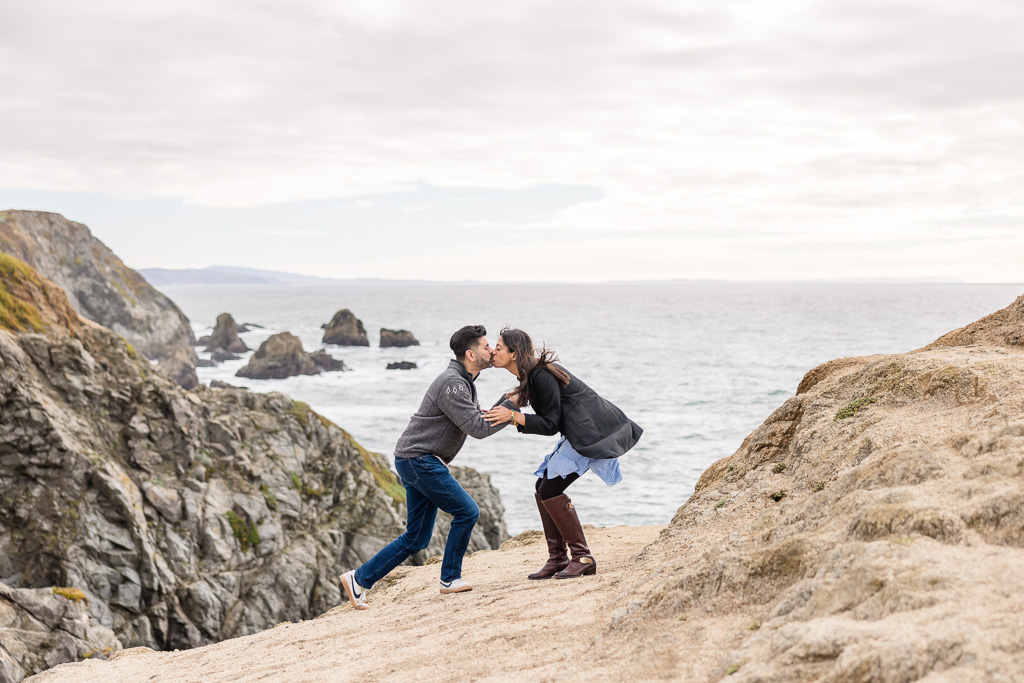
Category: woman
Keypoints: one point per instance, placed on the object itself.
(594, 433)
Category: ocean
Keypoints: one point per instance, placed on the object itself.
(697, 365)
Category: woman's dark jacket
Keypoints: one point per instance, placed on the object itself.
(593, 426)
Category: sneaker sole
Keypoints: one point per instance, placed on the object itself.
(461, 589)
(348, 592)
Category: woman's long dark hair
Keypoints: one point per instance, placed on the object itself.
(519, 343)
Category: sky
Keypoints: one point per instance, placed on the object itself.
(563, 140)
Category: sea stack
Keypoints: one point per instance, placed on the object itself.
(279, 357)
(396, 338)
(345, 329)
(327, 362)
(225, 336)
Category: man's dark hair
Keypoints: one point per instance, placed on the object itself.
(465, 339)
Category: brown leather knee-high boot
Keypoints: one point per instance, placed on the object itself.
(564, 516)
(558, 559)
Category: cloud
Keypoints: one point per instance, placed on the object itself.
(868, 118)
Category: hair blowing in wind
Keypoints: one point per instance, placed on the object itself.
(520, 343)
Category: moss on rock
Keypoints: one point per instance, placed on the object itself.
(16, 314)
(384, 477)
(245, 531)
(72, 594)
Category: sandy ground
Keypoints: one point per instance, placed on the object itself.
(507, 628)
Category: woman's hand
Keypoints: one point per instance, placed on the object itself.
(498, 415)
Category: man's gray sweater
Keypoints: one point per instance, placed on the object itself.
(448, 413)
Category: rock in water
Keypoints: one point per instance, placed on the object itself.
(98, 284)
(279, 357)
(345, 330)
(220, 355)
(397, 338)
(327, 362)
(225, 336)
(182, 518)
(402, 365)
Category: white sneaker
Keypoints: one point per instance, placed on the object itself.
(456, 586)
(356, 593)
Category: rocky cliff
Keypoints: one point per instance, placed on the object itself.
(179, 517)
(98, 285)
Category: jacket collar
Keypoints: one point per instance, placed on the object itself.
(461, 369)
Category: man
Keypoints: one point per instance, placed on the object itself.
(433, 438)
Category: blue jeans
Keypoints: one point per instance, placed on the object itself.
(428, 486)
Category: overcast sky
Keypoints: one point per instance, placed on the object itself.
(555, 140)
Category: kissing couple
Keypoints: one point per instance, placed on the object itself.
(594, 433)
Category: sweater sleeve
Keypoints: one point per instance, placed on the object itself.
(546, 399)
(456, 402)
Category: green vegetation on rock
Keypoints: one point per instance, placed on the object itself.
(17, 315)
(244, 531)
(853, 406)
(269, 496)
(307, 491)
(300, 411)
(384, 477)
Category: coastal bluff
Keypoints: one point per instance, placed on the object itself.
(99, 286)
(135, 513)
(871, 529)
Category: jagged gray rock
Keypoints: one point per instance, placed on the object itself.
(345, 330)
(43, 627)
(397, 338)
(183, 517)
(492, 512)
(401, 365)
(225, 336)
(180, 366)
(278, 357)
(98, 284)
